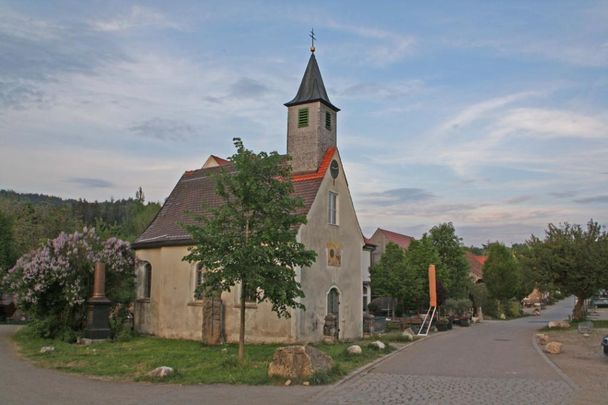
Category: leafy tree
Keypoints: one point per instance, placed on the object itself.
(389, 277)
(250, 239)
(574, 259)
(419, 255)
(452, 258)
(501, 273)
(523, 253)
(7, 243)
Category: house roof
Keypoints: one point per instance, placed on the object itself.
(397, 238)
(312, 87)
(195, 193)
(475, 264)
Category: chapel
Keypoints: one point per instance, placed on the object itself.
(167, 305)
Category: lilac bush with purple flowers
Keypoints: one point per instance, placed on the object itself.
(53, 282)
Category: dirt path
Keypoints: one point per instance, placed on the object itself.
(584, 362)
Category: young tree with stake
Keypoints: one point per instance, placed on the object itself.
(250, 238)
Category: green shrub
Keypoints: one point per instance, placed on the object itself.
(513, 309)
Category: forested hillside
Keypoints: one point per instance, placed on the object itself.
(27, 220)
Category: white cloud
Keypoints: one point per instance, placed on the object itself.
(479, 110)
(552, 123)
(137, 17)
(383, 47)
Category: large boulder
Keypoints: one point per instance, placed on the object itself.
(553, 348)
(558, 325)
(408, 335)
(298, 362)
(354, 349)
(161, 372)
(377, 345)
(543, 338)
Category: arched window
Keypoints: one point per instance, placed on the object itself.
(147, 281)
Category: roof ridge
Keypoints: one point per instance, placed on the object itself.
(395, 233)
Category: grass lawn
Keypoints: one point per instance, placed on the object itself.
(193, 362)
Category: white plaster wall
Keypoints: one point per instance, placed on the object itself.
(318, 279)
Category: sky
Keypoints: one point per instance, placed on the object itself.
(491, 115)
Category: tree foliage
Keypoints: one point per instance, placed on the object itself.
(501, 273)
(36, 218)
(53, 282)
(390, 277)
(573, 258)
(419, 255)
(452, 259)
(250, 239)
(7, 243)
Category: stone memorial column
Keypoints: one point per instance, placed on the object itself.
(98, 307)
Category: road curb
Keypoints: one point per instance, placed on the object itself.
(555, 367)
(368, 367)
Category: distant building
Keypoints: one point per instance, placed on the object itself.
(476, 263)
(382, 237)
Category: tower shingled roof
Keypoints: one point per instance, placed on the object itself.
(312, 87)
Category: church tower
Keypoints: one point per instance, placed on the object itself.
(311, 121)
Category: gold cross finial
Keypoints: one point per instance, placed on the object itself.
(312, 38)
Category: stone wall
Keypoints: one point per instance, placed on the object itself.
(308, 145)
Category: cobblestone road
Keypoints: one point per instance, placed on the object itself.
(492, 363)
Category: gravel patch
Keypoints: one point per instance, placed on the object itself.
(584, 362)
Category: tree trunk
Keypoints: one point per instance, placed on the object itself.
(242, 324)
(578, 313)
(243, 296)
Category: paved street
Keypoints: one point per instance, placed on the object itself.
(491, 363)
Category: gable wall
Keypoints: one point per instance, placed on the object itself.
(320, 277)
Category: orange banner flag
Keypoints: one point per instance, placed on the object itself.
(432, 286)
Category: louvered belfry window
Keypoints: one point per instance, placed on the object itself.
(302, 117)
(328, 120)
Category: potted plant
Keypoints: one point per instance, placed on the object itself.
(463, 310)
(442, 324)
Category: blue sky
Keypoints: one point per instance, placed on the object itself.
(492, 116)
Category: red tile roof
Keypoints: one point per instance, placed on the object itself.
(297, 177)
(195, 193)
(220, 161)
(481, 259)
(475, 264)
(398, 238)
